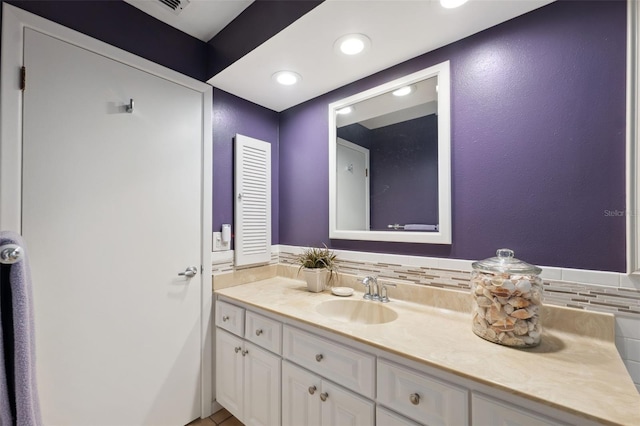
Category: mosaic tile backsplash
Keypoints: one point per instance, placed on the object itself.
(619, 301)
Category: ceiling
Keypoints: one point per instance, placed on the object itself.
(202, 19)
(399, 30)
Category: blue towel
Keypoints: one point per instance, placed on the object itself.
(19, 403)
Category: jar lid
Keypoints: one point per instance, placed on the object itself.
(504, 262)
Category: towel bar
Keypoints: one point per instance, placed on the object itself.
(10, 254)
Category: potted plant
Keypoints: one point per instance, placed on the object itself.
(318, 266)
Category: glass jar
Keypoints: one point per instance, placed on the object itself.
(507, 296)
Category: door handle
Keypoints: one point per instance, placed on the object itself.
(191, 271)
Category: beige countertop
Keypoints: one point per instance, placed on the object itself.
(576, 368)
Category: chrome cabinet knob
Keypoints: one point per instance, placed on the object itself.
(237, 349)
(414, 398)
(319, 357)
(312, 389)
(225, 318)
(324, 396)
(245, 352)
(191, 271)
(258, 332)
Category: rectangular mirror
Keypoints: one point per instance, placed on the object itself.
(390, 161)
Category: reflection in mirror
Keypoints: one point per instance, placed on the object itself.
(389, 161)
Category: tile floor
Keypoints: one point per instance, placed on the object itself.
(219, 418)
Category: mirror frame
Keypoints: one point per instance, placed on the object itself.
(443, 236)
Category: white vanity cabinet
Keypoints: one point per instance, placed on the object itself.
(308, 399)
(247, 376)
(273, 370)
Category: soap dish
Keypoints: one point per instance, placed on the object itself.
(342, 291)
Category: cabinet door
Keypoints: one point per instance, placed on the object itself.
(229, 372)
(261, 387)
(300, 396)
(343, 408)
(489, 411)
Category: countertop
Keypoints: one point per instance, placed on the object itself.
(576, 371)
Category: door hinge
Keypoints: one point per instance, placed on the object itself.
(23, 78)
(366, 172)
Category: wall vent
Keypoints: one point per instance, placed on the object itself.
(176, 6)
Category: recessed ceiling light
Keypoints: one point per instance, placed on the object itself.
(450, 4)
(345, 110)
(403, 91)
(352, 44)
(286, 78)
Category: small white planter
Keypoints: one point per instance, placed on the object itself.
(317, 279)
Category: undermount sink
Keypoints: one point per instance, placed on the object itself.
(357, 311)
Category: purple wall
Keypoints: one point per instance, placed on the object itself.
(538, 143)
(233, 115)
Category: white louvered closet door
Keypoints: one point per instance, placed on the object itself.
(252, 201)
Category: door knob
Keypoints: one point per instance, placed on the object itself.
(189, 272)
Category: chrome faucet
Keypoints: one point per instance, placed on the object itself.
(375, 290)
(371, 285)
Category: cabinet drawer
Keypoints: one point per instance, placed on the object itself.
(348, 367)
(420, 397)
(385, 417)
(230, 317)
(263, 332)
(489, 411)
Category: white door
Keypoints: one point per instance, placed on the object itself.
(261, 387)
(300, 396)
(229, 372)
(111, 215)
(344, 408)
(352, 186)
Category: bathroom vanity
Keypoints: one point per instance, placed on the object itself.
(287, 356)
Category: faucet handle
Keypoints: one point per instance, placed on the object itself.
(383, 292)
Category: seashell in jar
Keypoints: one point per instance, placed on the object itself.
(528, 340)
(487, 293)
(523, 286)
(479, 290)
(484, 302)
(513, 341)
(503, 300)
(521, 314)
(534, 335)
(491, 334)
(480, 311)
(494, 314)
(535, 297)
(509, 286)
(500, 292)
(519, 302)
(505, 325)
(521, 328)
(497, 281)
(508, 309)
